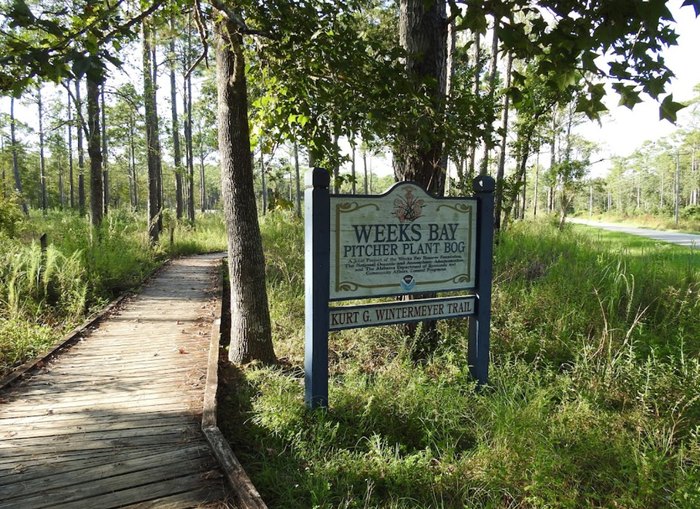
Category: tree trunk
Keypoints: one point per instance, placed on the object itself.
(500, 173)
(552, 162)
(189, 152)
(15, 159)
(537, 186)
(251, 336)
(298, 180)
(42, 159)
(133, 188)
(95, 152)
(364, 164)
(477, 93)
(105, 172)
(336, 168)
(177, 156)
(81, 156)
(70, 149)
(152, 144)
(352, 172)
(492, 91)
(202, 183)
(449, 78)
(423, 34)
(263, 180)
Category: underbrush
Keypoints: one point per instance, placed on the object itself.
(45, 293)
(593, 398)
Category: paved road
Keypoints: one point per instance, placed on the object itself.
(682, 239)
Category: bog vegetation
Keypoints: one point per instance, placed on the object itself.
(593, 399)
(43, 294)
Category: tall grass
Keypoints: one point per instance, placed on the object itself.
(593, 400)
(43, 294)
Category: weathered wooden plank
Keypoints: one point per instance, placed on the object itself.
(78, 438)
(78, 399)
(119, 490)
(202, 499)
(100, 415)
(155, 402)
(32, 468)
(51, 429)
(185, 459)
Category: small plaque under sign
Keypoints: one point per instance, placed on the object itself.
(370, 315)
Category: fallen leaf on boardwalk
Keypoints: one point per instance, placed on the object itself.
(40, 364)
(49, 412)
(182, 350)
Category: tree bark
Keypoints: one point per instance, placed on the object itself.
(189, 151)
(95, 152)
(477, 86)
(152, 145)
(15, 159)
(177, 156)
(70, 149)
(251, 336)
(105, 172)
(42, 159)
(81, 156)
(484, 169)
(423, 34)
(500, 173)
(134, 194)
(297, 200)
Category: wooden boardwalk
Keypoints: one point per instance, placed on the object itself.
(114, 421)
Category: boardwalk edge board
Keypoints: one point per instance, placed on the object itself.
(245, 493)
(74, 335)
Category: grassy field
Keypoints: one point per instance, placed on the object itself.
(594, 397)
(44, 295)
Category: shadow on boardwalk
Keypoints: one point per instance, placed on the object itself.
(115, 420)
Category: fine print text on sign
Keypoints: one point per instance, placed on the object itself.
(371, 315)
(402, 242)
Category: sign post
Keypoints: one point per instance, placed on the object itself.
(480, 324)
(316, 273)
(400, 243)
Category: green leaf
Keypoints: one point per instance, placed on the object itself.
(20, 14)
(669, 109)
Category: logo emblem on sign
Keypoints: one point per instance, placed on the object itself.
(408, 282)
(408, 208)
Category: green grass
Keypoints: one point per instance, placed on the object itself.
(42, 296)
(593, 399)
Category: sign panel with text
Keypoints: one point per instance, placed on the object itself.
(402, 242)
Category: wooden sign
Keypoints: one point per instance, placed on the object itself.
(404, 242)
